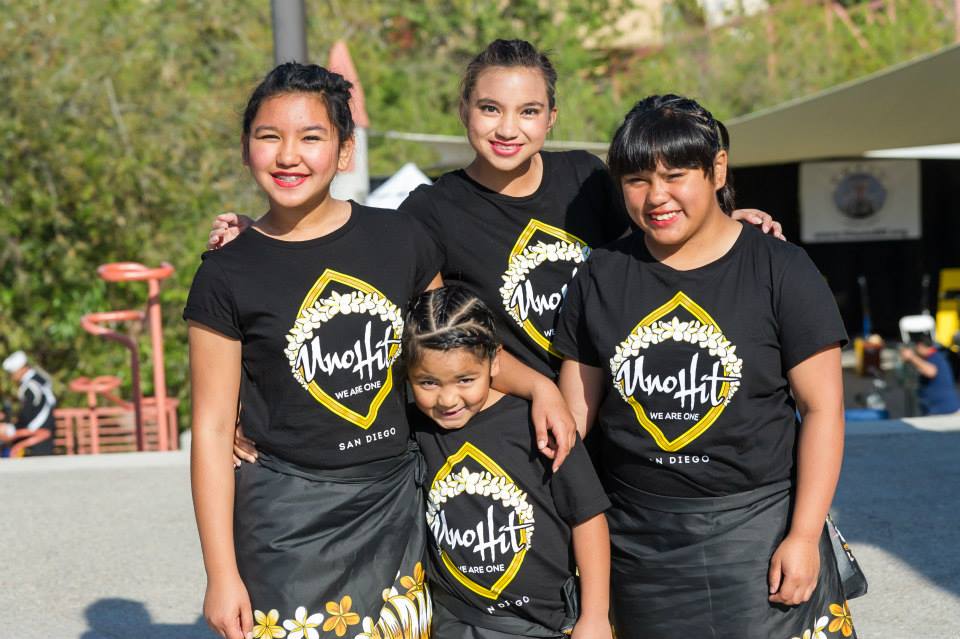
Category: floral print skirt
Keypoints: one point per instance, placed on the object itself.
(333, 553)
(697, 567)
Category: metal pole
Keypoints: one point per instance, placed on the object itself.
(289, 31)
(159, 377)
(956, 19)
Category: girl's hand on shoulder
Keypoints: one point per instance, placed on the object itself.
(244, 450)
(226, 607)
(225, 228)
(549, 412)
(759, 218)
(794, 568)
(592, 628)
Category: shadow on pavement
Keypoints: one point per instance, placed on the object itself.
(898, 492)
(115, 618)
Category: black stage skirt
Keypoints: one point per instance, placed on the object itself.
(339, 551)
(697, 567)
(454, 619)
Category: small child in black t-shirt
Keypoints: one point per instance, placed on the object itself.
(508, 535)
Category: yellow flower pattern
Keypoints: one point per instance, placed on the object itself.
(340, 616)
(406, 614)
(842, 624)
(842, 620)
(267, 625)
(414, 583)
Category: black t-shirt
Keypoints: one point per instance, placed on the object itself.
(517, 254)
(698, 402)
(500, 519)
(37, 402)
(320, 322)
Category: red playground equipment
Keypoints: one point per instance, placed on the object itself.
(144, 423)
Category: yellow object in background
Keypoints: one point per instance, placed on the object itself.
(858, 354)
(948, 308)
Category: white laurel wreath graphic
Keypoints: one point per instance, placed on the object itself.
(704, 336)
(325, 309)
(530, 258)
(486, 485)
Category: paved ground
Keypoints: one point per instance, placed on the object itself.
(104, 547)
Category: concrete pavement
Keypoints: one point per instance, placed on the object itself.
(103, 547)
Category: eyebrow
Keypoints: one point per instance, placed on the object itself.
(268, 127)
(494, 102)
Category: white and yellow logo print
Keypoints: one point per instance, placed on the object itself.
(486, 554)
(352, 382)
(677, 371)
(540, 265)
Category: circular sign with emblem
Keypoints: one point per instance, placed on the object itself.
(859, 195)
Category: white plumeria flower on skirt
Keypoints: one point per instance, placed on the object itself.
(302, 626)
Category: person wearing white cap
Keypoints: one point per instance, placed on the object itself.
(32, 433)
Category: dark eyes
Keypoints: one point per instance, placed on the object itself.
(274, 136)
(644, 179)
(489, 108)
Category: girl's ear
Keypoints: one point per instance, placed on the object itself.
(720, 170)
(346, 154)
(464, 111)
(495, 362)
(245, 149)
(552, 120)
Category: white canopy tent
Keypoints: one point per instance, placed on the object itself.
(913, 104)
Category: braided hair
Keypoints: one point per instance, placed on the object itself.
(674, 131)
(445, 319)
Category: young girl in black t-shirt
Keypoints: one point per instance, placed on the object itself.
(298, 322)
(692, 345)
(508, 534)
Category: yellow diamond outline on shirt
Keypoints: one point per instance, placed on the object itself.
(532, 227)
(363, 421)
(680, 300)
(493, 592)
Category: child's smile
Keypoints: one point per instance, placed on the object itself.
(452, 386)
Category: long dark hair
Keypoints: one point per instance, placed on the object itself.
(674, 131)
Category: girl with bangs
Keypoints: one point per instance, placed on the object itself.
(693, 344)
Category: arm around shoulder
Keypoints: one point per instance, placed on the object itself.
(548, 410)
(582, 388)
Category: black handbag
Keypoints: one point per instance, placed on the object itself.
(851, 576)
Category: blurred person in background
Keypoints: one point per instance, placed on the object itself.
(32, 431)
(937, 389)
